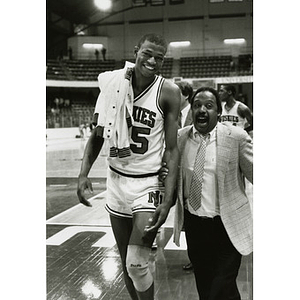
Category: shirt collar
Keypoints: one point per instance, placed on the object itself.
(210, 135)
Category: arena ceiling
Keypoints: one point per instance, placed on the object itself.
(75, 11)
(82, 11)
(66, 17)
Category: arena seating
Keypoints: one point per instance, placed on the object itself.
(245, 64)
(55, 70)
(190, 67)
(167, 68)
(88, 69)
(207, 66)
(78, 113)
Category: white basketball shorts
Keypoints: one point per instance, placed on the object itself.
(127, 195)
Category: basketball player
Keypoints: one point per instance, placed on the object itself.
(238, 114)
(137, 202)
(233, 111)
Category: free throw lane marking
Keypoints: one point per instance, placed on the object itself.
(107, 240)
(65, 234)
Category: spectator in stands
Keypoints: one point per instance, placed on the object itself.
(97, 54)
(250, 64)
(91, 126)
(70, 51)
(137, 202)
(103, 51)
(67, 103)
(232, 66)
(81, 128)
(61, 55)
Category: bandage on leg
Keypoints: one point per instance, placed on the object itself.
(137, 266)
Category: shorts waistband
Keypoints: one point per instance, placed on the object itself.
(134, 175)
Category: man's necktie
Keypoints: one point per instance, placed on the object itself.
(197, 177)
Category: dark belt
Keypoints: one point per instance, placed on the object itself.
(216, 218)
(204, 218)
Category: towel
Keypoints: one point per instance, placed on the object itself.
(114, 107)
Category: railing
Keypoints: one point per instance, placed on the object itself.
(69, 117)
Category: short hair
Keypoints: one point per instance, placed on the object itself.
(230, 88)
(154, 38)
(214, 92)
(186, 89)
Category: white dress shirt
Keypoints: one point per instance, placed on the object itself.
(184, 113)
(209, 201)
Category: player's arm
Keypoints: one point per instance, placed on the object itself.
(170, 103)
(245, 112)
(91, 152)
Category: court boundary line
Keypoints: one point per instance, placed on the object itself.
(80, 224)
(100, 195)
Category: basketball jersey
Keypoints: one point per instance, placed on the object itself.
(147, 134)
(232, 117)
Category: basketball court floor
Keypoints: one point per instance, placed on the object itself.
(82, 257)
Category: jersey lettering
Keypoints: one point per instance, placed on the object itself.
(228, 118)
(137, 138)
(144, 116)
(155, 197)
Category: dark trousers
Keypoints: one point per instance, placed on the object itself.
(215, 260)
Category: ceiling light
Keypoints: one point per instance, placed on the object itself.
(103, 4)
(180, 44)
(92, 46)
(234, 41)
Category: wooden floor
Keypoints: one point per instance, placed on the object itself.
(82, 258)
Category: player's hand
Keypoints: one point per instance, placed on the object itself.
(84, 184)
(158, 218)
(163, 172)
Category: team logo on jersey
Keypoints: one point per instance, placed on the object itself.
(144, 116)
(155, 198)
(228, 118)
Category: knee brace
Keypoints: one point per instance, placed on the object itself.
(137, 266)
